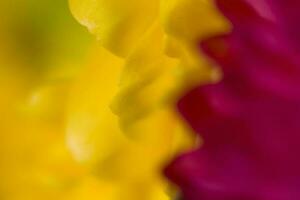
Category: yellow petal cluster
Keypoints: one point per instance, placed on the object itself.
(147, 56)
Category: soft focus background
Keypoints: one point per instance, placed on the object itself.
(41, 48)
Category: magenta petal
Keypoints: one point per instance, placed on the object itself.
(250, 120)
(288, 15)
(207, 175)
(251, 144)
(243, 13)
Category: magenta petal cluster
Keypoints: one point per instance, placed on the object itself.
(250, 120)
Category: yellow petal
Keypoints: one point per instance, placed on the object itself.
(191, 19)
(187, 22)
(118, 24)
(147, 80)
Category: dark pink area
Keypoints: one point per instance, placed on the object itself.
(250, 120)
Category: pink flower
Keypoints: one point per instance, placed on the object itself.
(250, 120)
